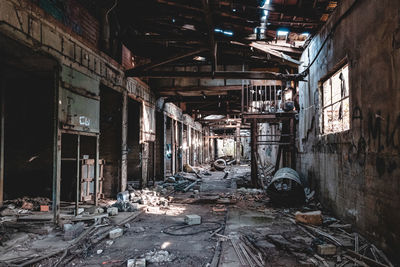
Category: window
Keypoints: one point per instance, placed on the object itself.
(335, 102)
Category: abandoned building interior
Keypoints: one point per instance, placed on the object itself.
(200, 133)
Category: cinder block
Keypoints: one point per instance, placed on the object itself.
(112, 211)
(326, 249)
(115, 233)
(192, 219)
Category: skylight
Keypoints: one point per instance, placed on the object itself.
(226, 32)
(282, 32)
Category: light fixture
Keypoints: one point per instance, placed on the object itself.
(199, 58)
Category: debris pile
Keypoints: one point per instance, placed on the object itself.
(24, 205)
(312, 238)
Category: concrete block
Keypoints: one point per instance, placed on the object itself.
(326, 250)
(117, 232)
(112, 211)
(73, 230)
(312, 217)
(67, 227)
(136, 263)
(192, 219)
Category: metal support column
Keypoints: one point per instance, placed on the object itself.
(173, 146)
(78, 167)
(181, 148)
(56, 150)
(293, 142)
(165, 144)
(254, 174)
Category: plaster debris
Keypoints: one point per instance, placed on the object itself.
(159, 256)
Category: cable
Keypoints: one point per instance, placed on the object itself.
(173, 232)
(115, 4)
(348, 11)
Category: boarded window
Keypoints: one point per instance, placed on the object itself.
(335, 102)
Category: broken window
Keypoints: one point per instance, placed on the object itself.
(335, 102)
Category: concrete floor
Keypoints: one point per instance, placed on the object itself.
(244, 214)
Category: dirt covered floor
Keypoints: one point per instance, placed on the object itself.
(239, 227)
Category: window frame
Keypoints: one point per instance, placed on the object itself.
(339, 67)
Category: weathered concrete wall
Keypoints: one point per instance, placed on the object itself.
(357, 172)
(31, 26)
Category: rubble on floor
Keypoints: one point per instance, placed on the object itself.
(24, 205)
(158, 256)
(265, 235)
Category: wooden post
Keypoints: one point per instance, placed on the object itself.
(97, 169)
(254, 171)
(78, 156)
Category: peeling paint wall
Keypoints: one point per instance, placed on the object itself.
(357, 172)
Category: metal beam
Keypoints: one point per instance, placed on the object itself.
(245, 75)
(211, 38)
(165, 61)
(199, 88)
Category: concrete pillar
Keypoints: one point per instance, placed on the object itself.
(124, 143)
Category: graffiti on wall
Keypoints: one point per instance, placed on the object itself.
(382, 135)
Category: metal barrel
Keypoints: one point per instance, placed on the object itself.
(287, 187)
